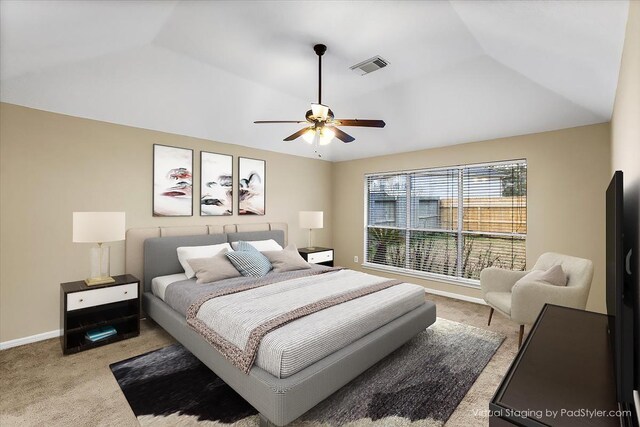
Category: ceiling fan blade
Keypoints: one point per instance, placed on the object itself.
(280, 121)
(296, 135)
(342, 136)
(361, 123)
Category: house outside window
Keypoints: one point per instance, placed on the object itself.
(447, 222)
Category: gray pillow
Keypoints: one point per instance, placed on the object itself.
(553, 276)
(217, 267)
(287, 259)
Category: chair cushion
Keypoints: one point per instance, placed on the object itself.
(579, 271)
(553, 276)
(499, 300)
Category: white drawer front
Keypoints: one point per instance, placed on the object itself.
(93, 297)
(318, 257)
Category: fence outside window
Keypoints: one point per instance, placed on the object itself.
(451, 222)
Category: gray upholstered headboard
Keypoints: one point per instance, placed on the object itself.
(134, 243)
(161, 259)
(277, 235)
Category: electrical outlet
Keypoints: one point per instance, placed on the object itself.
(355, 259)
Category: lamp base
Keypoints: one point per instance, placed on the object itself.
(92, 281)
(100, 274)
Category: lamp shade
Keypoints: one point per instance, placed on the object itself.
(320, 111)
(309, 136)
(98, 227)
(326, 135)
(321, 136)
(311, 219)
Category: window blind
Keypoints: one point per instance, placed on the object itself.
(434, 221)
(387, 219)
(494, 217)
(448, 221)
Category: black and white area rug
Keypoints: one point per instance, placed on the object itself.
(420, 384)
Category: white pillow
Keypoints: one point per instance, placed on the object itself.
(189, 252)
(262, 245)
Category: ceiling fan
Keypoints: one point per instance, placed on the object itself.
(323, 127)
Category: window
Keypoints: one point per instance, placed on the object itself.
(452, 222)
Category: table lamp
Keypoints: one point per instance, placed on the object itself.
(98, 227)
(310, 220)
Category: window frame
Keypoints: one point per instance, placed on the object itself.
(460, 233)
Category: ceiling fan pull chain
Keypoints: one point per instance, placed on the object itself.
(316, 146)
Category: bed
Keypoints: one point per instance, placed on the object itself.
(280, 396)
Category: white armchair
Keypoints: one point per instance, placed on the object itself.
(522, 302)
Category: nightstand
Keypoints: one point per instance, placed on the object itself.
(84, 308)
(317, 255)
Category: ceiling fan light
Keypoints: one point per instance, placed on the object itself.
(320, 111)
(326, 136)
(309, 136)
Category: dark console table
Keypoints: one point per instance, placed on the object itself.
(564, 369)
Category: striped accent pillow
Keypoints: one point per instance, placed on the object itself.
(249, 261)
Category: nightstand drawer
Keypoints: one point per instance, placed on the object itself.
(93, 297)
(318, 257)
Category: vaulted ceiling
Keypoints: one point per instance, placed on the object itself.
(459, 71)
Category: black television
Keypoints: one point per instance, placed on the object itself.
(619, 294)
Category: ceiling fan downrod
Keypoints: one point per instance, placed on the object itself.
(320, 49)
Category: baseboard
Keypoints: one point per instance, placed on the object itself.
(53, 334)
(455, 296)
(30, 339)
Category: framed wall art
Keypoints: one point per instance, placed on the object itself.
(251, 186)
(216, 184)
(172, 181)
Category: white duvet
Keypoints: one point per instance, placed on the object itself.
(296, 345)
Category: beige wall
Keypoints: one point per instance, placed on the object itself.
(625, 123)
(625, 144)
(52, 165)
(568, 171)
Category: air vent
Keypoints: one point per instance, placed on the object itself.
(370, 65)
